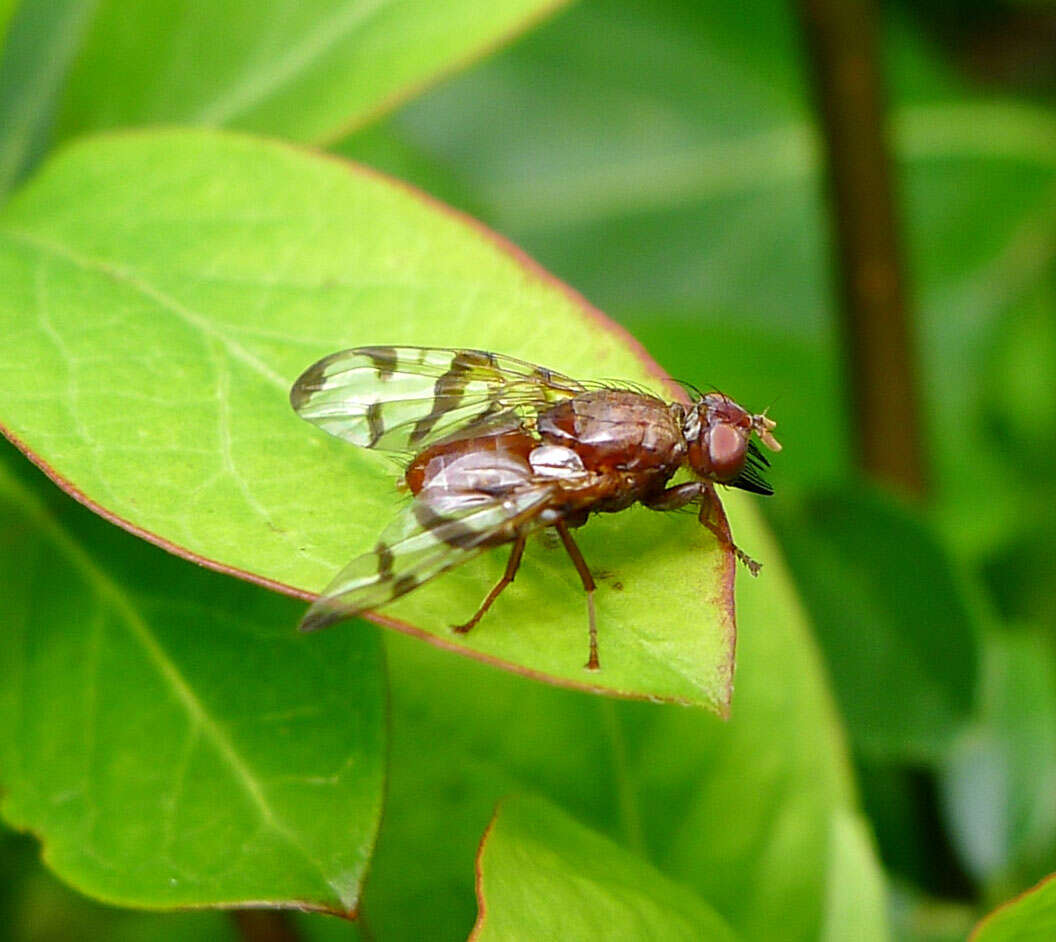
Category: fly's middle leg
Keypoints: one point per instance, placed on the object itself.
(507, 577)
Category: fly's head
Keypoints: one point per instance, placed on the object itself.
(721, 449)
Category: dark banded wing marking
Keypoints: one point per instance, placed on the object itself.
(429, 537)
(406, 398)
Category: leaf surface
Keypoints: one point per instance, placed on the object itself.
(7, 9)
(303, 70)
(1000, 777)
(543, 875)
(856, 900)
(1028, 918)
(743, 812)
(891, 615)
(161, 293)
(36, 49)
(162, 731)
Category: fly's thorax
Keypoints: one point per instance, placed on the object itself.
(616, 429)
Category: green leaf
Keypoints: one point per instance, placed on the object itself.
(163, 732)
(162, 291)
(918, 917)
(35, 907)
(891, 615)
(308, 70)
(1000, 780)
(856, 903)
(673, 175)
(1028, 918)
(35, 54)
(463, 736)
(743, 811)
(542, 875)
(7, 9)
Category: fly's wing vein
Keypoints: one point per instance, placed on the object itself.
(429, 537)
(405, 398)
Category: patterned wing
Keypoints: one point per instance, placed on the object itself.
(428, 538)
(405, 398)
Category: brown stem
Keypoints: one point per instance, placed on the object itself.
(841, 39)
(265, 925)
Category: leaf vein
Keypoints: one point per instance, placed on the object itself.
(254, 88)
(125, 276)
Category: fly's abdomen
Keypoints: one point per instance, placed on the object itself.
(490, 465)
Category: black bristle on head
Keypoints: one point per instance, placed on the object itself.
(756, 456)
(751, 477)
(691, 388)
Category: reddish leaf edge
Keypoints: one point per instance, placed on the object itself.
(478, 873)
(533, 270)
(1019, 897)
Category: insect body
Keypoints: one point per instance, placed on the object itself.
(497, 448)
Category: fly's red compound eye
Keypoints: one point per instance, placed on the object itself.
(719, 452)
(727, 447)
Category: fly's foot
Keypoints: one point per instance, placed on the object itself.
(750, 564)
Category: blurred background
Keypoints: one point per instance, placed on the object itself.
(667, 160)
(678, 164)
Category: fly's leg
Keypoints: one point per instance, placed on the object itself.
(711, 504)
(507, 577)
(674, 498)
(588, 584)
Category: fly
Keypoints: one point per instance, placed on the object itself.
(495, 448)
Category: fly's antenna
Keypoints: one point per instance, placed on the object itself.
(773, 402)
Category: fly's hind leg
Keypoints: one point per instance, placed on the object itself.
(588, 584)
(507, 577)
(707, 508)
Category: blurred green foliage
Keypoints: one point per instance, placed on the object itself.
(662, 157)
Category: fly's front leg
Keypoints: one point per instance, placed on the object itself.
(711, 505)
(674, 498)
